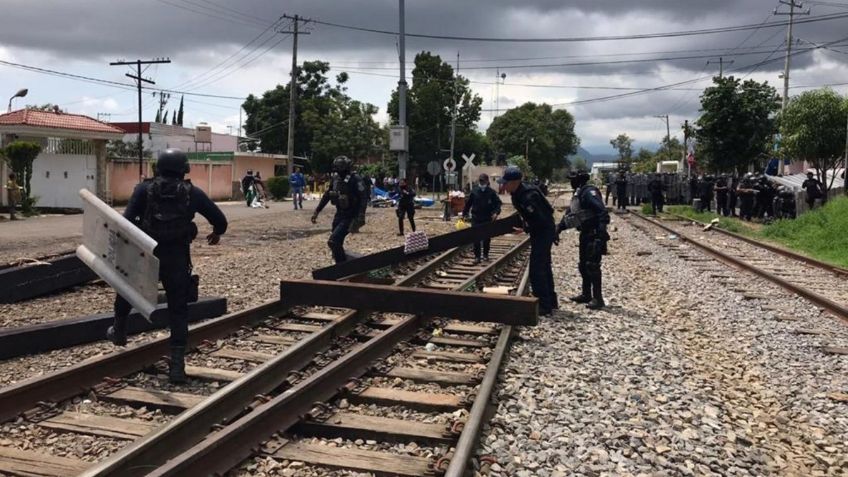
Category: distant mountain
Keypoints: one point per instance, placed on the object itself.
(593, 158)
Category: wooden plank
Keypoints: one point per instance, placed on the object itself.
(379, 463)
(61, 334)
(411, 399)
(252, 356)
(448, 341)
(448, 356)
(106, 426)
(511, 310)
(433, 376)
(297, 327)
(439, 243)
(312, 315)
(838, 350)
(386, 429)
(274, 339)
(213, 374)
(31, 464)
(155, 398)
(55, 274)
(470, 329)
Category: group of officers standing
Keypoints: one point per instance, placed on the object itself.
(164, 207)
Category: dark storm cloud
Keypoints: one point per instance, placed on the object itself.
(100, 29)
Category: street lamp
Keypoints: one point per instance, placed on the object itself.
(19, 94)
(527, 148)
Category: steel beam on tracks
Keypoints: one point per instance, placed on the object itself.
(60, 334)
(509, 310)
(52, 275)
(437, 244)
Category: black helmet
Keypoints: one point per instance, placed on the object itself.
(578, 177)
(342, 165)
(172, 162)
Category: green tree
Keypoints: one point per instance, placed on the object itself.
(545, 135)
(329, 122)
(623, 144)
(521, 163)
(812, 128)
(579, 163)
(736, 124)
(179, 118)
(120, 149)
(646, 161)
(429, 105)
(46, 107)
(21, 155)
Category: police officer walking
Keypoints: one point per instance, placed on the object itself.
(164, 208)
(405, 205)
(538, 218)
(621, 190)
(485, 206)
(655, 187)
(345, 193)
(588, 214)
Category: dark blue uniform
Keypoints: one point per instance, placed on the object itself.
(174, 258)
(538, 217)
(346, 194)
(593, 240)
(483, 204)
(405, 207)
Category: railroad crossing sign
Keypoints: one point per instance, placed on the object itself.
(469, 162)
(450, 164)
(434, 168)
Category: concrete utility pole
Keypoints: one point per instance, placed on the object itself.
(667, 127)
(792, 6)
(403, 156)
(720, 65)
(686, 148)
(455, 100)
(138, 80)
(293, 89)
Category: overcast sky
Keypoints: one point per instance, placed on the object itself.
(209, 42)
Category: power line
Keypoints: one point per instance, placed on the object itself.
(704, 31)
(225, 60)
(244, 63)
(110, 83)
(251, 24)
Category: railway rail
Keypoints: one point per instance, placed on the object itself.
(822, 285)
(274, 363)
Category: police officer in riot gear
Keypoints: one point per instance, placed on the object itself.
(588, 214)
(538, 219)
(346, 193)
(164, 208)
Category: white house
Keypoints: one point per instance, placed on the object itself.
(73, 154)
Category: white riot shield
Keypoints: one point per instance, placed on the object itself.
(119, 253)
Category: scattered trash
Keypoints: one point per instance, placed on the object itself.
(672, 237)
(712, 224)
(430, 347)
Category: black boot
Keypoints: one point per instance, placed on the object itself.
(176, 371)
(580, 299)
(597, 295)
(117, 333)
(586, 295)
(116, 336)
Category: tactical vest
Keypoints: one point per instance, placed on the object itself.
(167, 216)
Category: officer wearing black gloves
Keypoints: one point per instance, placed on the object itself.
(485, 206)
(164, 208)
(346, 193)
(588, 214)
(405, 205)
(538, 217)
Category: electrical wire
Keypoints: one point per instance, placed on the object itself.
(642, 36)
(212, 15)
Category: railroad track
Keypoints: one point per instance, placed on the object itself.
(821, 284)
(256, 378)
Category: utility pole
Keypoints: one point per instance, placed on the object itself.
(403, 156)
(498, 78)
(720, 65)
(792, 6)
(686, 148)
(292, 88)
(139, 80)
(455, 100)
(667, 127)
